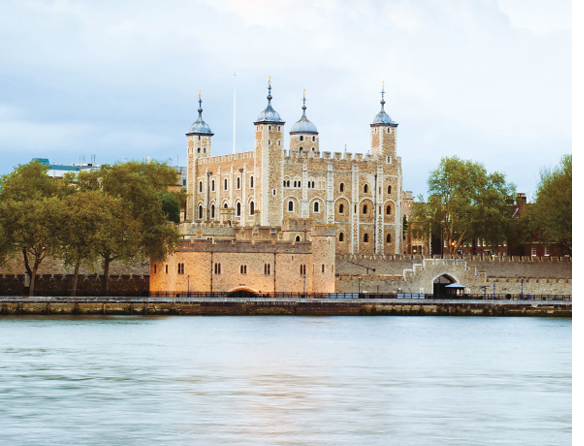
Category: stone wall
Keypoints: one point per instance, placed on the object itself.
(60, 284)
(55, 266)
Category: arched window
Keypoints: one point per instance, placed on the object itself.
(342, 187)
(212, 211)
(313, 149)
(341, 208)
(366, 238)
(364, 209)
(251, 208)
(251, 182)
(313, 138)
(200, 212)
(301, 138)
(238, 209)
(198, 150)
(366, 188)
(389, 189)
(300, 149)
(388, 238)
(342, 237)
(388, 210)
(316, 207)
(290, 206)
(297, 238)
(225, 206)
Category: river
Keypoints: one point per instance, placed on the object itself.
(133, 380)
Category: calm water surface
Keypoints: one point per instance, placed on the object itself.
(285, 381)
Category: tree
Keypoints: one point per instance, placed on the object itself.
(464, 203)
(29, 215)
(170, 206)
(550, 217)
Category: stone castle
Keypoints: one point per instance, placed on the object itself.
(361, 195)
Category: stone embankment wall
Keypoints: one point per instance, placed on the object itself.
(55, 266)
(59, 284)
(288, 308)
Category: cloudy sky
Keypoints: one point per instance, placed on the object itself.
(487, 80)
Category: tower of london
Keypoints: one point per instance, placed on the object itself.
(360, 195)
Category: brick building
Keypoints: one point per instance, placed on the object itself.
(361, 195)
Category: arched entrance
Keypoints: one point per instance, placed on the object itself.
(242, 292)
(439, 286)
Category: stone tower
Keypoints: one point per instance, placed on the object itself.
(269, 163)
(303, 134)
(199, 145)
(383, 133)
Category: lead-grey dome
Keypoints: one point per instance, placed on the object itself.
(200, 126)
(382, 118)
(303, 125)
(269, 114)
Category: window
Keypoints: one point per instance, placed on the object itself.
(225, 184)
(388, 160)
(388, 238)
(366, 238)
(269, 142)
(366, 188)
(300, 149)
(278, 128)
(243, 269)
(323, 268)
(212, 185)
(546, 251)
(270, 128)
(278, 142)
(316, 206)
(389, 189)
(297, 238)
(534, 251)
(342, 237)
(181, 268)
(313, 149)
(200, 212)
(313, 138)
(290, 206)
(301, 138)
(166, 268)
(204, 150)
(342, 187)
(267, 269)
(364, 209)
(251, 208)
(238, 209)
(198, 150)
(388, 210)
(200, 186)
(154, 269)
(212, 211)
(341, 208)
(217, 268)
(251, 182)
(274, 192)
(302, 270)
(238, 183)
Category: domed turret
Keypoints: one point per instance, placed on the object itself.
(382, 118)
(200, 126)
(303, 125)
(269, 114)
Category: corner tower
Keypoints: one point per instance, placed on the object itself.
(269, 163)
(303, 134)
(383, 133)
(199, 145)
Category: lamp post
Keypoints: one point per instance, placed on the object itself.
(359, 285)
(494, 290)
(188, 285)
(522, 288)
(304, 292)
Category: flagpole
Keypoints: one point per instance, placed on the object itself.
(234, 99)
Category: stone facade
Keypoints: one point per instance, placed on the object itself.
(297, 258)
(361, 195)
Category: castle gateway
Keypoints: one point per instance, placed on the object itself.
(361, 195)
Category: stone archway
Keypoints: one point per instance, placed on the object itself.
(439, 285)
(242, 292)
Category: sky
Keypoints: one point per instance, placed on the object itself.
(485, 80)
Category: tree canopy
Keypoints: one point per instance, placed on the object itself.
(550, 217)
(464, 202)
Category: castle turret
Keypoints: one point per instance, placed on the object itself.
(383, 133)
(199, 145)
(303, 134)
(269, 163)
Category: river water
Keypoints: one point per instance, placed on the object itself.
(285, 381)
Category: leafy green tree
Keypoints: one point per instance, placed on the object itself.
(29, 215)
(170, 206)
(464, 203)
(550, 217)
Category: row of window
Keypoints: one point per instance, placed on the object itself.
(301, 138)
(316, 208)
(365, 238)
(226, 184)
(237, 210)
(268, 269)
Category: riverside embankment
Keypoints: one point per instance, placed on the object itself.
(267, 306)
